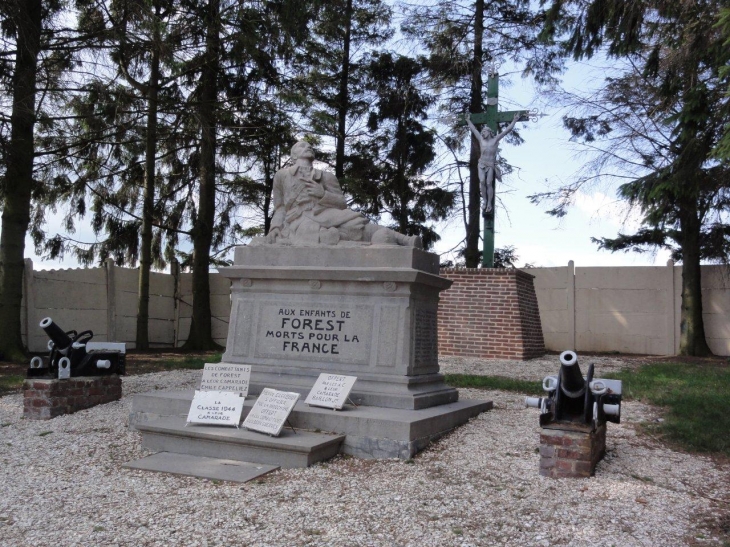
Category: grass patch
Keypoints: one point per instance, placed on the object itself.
(11, 382)
(696, 398)
(494, 382)
(189, 362)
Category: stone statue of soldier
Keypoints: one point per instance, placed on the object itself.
(488, 168)
(310, 209)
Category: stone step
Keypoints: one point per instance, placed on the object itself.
(289, 449)
(371, 432)
(201, 467)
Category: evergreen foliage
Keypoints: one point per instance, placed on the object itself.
(464, 39)
(388, 168)
(657, 122)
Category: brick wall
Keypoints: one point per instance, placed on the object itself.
(490, 313)
(46, 399)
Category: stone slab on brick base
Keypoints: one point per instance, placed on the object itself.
(568, 451)
(490, 313)
(46, 399)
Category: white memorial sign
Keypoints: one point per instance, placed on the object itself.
(226, 377)
(270, 411)
(216, 407)
(331, 390)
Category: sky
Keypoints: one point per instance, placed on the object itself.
(546, 159)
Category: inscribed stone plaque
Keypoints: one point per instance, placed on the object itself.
(426, 343)
(331, 390)
(333, 333)
(226, 377)
(216, 407)
(270, 411)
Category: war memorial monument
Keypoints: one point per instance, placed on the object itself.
(324, 292)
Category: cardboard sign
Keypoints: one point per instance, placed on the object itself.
(270, 411)
(216, 407)
(331, 391)
(226, 377)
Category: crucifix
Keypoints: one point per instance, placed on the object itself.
(489, 139)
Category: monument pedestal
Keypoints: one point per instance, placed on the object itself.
(366, 311)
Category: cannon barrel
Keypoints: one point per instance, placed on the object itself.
(55, 333)
(572, 383)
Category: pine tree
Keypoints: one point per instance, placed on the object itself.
(331, 63)
(25, 19)
(659, 122)
(399, 149)
(463, 40)
(37, 49)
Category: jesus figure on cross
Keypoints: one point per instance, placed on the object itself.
(488, 168)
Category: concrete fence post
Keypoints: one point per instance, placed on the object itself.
(29, 291)
(670, 308)
(571, 305)
(111, 300)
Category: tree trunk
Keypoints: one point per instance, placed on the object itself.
(269, 184)
(471, 251)
(343, 98)
(148, 203)
(691, 326)
(200, 336)
(19, 177)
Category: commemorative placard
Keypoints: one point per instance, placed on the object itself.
(331, 391)
(226, 377)
(270, 411)
(216, 407)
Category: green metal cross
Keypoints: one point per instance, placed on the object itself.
(492, 117)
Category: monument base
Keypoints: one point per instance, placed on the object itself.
(370, 432)
(365, 311)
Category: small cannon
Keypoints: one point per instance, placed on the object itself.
(73, 354)
(574, 399)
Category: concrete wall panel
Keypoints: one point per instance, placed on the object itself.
(620, 300)
(127, 303)
(556, 341)
(127, 279)
(550, 278)
(630, 309)
(633, 277)
(54, 294)
(592, 341)
(162, 284)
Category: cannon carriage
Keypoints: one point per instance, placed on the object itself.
(571, 398)
(72, 354)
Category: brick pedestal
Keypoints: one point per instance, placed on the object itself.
(490, 313)
(46, 399)
(571, 451)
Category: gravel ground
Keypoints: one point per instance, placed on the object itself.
(61, 484)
